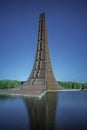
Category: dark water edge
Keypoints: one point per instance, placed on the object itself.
(54, 111)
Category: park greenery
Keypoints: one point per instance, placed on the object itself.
(6, 84)
(73, 85)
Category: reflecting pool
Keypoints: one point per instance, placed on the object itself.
(65, 110)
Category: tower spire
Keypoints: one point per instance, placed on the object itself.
(42, 76)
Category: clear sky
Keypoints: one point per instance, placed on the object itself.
(67, 36)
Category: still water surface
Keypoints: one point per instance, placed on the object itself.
(54, 111)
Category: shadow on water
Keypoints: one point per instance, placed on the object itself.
(42, 112)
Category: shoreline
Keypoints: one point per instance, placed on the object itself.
(23, 95)
(40, 95)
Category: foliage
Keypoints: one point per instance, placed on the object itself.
(6, 84)
(73, 85)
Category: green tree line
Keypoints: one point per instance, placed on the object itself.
(6, 84)
(73, 85)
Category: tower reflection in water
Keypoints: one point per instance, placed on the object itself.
(42, 112)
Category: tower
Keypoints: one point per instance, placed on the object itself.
(42, 77)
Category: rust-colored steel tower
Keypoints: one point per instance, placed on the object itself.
(42, 77)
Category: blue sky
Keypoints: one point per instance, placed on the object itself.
(67, 36)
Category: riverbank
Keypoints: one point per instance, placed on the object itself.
(7, 84)
(34, 94)
(6, 88)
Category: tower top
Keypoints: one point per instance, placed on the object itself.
(42, 14)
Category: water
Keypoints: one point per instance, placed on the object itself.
(54, 111)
